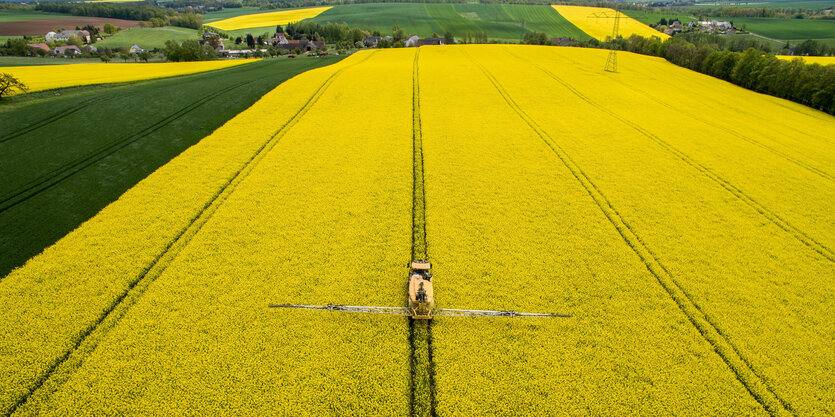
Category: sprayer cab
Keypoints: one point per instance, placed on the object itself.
(421, 296)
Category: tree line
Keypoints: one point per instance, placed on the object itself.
(143, 13)
(773, 12)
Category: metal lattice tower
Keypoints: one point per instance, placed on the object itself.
(612, 59)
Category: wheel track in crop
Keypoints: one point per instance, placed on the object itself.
(734, 132)
(56, 176)
(55, 117)
(774, 218)
(420, 331)
(742, 369)
(64, 366)
(693, 116)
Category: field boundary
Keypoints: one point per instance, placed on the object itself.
(743, 371)
(420, 331)
(804, 238)
(63, 368)
(71, 168)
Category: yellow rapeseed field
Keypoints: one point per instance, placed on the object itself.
(823, 60)
(267, 19)
(287, 361)
(601, 28)
(729, 211)
(690, 235)
(46, 77)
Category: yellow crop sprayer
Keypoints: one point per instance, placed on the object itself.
(421, 301)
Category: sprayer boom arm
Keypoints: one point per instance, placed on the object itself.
(454, 312)
(402, 311)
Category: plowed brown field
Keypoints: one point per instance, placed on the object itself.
(42, 26)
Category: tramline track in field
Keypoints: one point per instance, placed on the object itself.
(63, 367)
(694, 116)
(55, 117)
(774, 218)
(730, 354)
(734, 132)
(420, 331)
(59, 174)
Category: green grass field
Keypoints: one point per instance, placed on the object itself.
(501, 22)
(15, 15)
(799, 4)
(787, 28)
(227, 13)
(63, 158)
(268, 30)
(776, 46)
(651, 18)
(148, 38)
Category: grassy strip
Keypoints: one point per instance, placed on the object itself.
(419, 330)
(726, 350)
(91, 148)
(422, 381)
(63, 368)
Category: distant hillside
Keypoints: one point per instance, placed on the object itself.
(505, 22)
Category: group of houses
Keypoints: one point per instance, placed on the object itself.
(69, 50)
(672, 27)
(722, 27)
(280, 41)
(409, 41)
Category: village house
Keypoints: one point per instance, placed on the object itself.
(278, 39)
(371, 41)
(411, 40)
(135, 49)
(213, 39)
(35, 46)
(431, 41)
(65, 50)
(303, 45)
(563, 42)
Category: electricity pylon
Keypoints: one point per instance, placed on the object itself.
(612, 59)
